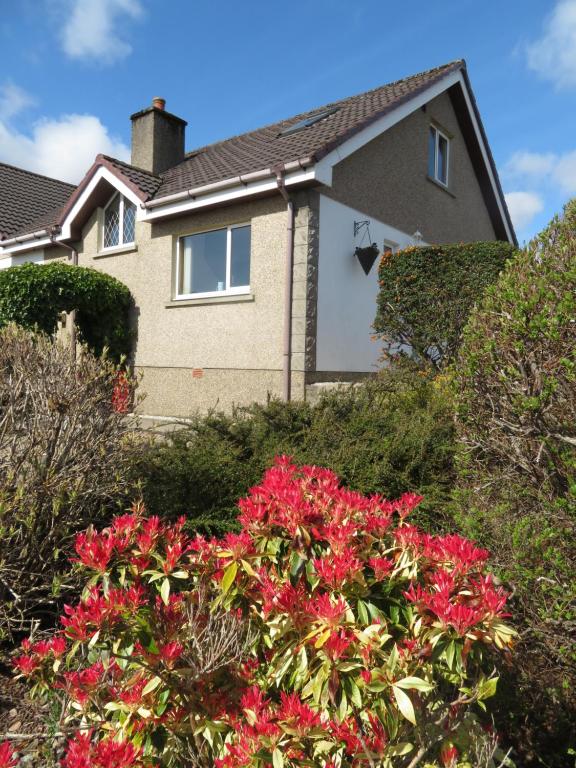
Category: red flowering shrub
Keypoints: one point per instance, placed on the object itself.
(328, 632)
(122, 393)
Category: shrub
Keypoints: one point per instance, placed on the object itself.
(393, 432)
(62, 463)
(33, 296)
(426, 294)
(517, 407)
(329, 631)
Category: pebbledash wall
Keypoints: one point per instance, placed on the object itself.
(210, 353)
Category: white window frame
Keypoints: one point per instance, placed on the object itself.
(228, 290)
(437, 135)
(121, 243)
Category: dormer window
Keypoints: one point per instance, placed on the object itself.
(119, 222)
(438, 152)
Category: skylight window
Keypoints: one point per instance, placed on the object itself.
(308, 121)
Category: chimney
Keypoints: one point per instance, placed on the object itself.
(157, 138)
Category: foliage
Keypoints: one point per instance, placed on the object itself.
(33, 296)
(516, 383)
(393, 432)
(426, 294)
(62, 462)
(328, 632)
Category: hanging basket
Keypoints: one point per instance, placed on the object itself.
(367, 256)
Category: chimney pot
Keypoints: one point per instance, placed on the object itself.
(158, 102)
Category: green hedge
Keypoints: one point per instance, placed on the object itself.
(426, 294)
(516, 379)
(394, 433)
(33, 296)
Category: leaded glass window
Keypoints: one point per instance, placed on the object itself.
(119, 222)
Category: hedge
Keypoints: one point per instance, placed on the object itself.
(33, 296)
(426, 294)
(516, 381)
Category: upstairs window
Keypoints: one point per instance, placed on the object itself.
(438, 151)
(119, 222)
(213, 263)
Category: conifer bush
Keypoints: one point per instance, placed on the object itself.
(328, 632)
(516, 389)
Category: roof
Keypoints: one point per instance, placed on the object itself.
(267, 148)
(29, 201)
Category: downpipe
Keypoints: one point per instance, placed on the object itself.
(289, 265)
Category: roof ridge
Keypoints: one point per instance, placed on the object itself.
(197, 150)
(38, 175)
(129, 165)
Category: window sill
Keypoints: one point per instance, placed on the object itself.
(440, 186)
(130, 248)
(228, 299)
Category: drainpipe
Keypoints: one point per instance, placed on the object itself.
(74, 256)
(287, 333)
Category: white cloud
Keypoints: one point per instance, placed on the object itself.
(91, 29)
(63, 147)
(564, 173)
(530, 164)
(523, 207)
(546, 168)
(553, 56)
(13, 99)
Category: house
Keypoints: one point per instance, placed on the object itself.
(240, 254)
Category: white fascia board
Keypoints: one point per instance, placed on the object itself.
(101, 173)
(28, 245)
(228, 195)
(323, 169)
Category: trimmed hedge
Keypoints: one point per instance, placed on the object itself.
(393, 433)
(516, 379)
(33, 296)
(426, 294)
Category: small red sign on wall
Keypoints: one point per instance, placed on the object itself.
(197, 373)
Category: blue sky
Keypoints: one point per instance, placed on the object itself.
(72, 71)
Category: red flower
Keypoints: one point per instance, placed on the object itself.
(381, 566)
(297, 715)
(334, 570)
(7, 756)
(337, 644)
(94, 549)
(448, 755)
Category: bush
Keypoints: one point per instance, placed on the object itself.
(517, 406)
(33, 296)
(426, 295)
(62, 464)
(393, 432)
(329, 631)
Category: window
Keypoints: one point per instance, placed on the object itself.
(211, 263)
(308, 121)
(119, 222)
(438, 148)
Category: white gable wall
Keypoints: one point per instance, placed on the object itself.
(346, 296)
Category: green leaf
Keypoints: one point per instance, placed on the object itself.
(165, 591)
(415, 683)
(277, 759)
(151, 685)
(229, 576)
(404, 704)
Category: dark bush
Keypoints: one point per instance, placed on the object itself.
(516, 382)
(393, 432)
(426, 294)
(34, 295)
(63, 465)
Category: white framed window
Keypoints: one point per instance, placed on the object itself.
(214, 263)
(119, 222)
(438, 155)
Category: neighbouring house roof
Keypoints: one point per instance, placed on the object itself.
(29, 201)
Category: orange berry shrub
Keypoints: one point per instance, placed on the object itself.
(328, 632)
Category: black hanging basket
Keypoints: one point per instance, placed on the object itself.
(367, 256)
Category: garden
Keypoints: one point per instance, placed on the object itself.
(384, 579)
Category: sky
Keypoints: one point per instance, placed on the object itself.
(72, 72)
